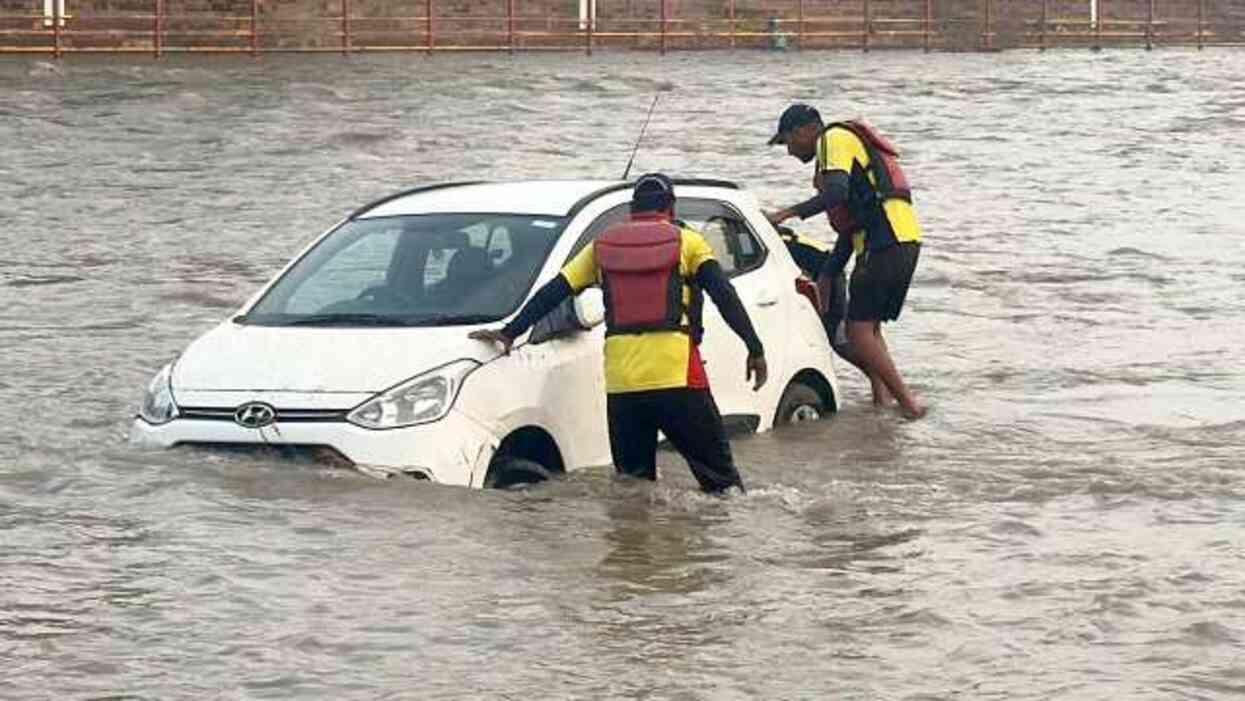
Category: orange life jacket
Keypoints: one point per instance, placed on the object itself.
(639, 262)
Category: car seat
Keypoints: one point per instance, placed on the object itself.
(467, 270)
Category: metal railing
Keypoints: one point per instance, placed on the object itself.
(806, 25)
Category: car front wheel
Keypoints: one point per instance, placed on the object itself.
(799, 403)
(507, 472)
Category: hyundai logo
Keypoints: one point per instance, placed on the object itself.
(255, 415)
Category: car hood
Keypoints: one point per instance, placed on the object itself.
(235, 357)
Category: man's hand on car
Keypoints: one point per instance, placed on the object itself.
(779, 216)
(493, 336)
(756, 366)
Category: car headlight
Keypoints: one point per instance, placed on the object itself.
(422, 399)
(158, 406)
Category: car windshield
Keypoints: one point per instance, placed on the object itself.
(418, 270)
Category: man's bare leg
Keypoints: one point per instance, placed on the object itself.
(870, 349)
(881, 396)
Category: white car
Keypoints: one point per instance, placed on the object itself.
(359, 346)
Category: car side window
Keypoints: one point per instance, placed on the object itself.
(733, 241)
(614, 215)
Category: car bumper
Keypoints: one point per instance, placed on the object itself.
(455, 450)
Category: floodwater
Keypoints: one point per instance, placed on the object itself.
(1066, 524)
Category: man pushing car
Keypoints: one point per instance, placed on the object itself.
(654, 377)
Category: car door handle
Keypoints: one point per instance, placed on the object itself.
(766, 299)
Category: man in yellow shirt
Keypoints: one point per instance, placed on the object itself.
(654, 377)
(866, 196)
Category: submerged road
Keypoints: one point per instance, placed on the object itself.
(1066, 523)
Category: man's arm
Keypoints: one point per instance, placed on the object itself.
(831, 193)
(713, 281)
(546, 298)
(709, 277)
(577, 274)
(839, 255)
(549, 296)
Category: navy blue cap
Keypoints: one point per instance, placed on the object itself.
(793, 118)
(652, 191)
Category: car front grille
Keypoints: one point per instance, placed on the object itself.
(283, 415)
(297, 452)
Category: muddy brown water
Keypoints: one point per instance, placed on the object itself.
(1066, 524)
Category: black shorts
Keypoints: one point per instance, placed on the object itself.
(880, 282)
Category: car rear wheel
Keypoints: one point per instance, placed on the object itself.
(799, 403)
(506, 472)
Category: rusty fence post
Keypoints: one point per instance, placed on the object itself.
(1150, 26)
(428, 25)
(866, 22)
(663, 27)
(158, 29)
(988, 35)
(592, 16)
(510, 25)
(254, 27)
(345, 27)
(1045, 21)
(1201, 22)
(799, 26)
(57, 52)
(929, 20)
(733, 25)
(1098, 25)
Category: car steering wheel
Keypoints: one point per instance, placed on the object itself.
(385, 294)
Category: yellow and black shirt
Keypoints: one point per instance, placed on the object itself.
(654, 359)
(841, 150)
(651, 360)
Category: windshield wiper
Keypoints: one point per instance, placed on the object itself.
(348, 320)
(452, 319)
(366, 319)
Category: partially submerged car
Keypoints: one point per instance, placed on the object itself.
(359, 346)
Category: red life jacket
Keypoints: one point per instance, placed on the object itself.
(852, 215)
(639, 262)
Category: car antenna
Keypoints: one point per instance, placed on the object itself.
(644, 128)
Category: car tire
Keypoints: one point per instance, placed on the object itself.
(799, 403)
(505, 473)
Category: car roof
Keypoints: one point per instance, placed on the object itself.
(557, 198)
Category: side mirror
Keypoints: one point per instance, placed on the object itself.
(590, 308)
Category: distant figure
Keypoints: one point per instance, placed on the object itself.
(777, 40)
(864, 193)
(654, 377)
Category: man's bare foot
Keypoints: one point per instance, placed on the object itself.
(914, 412)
